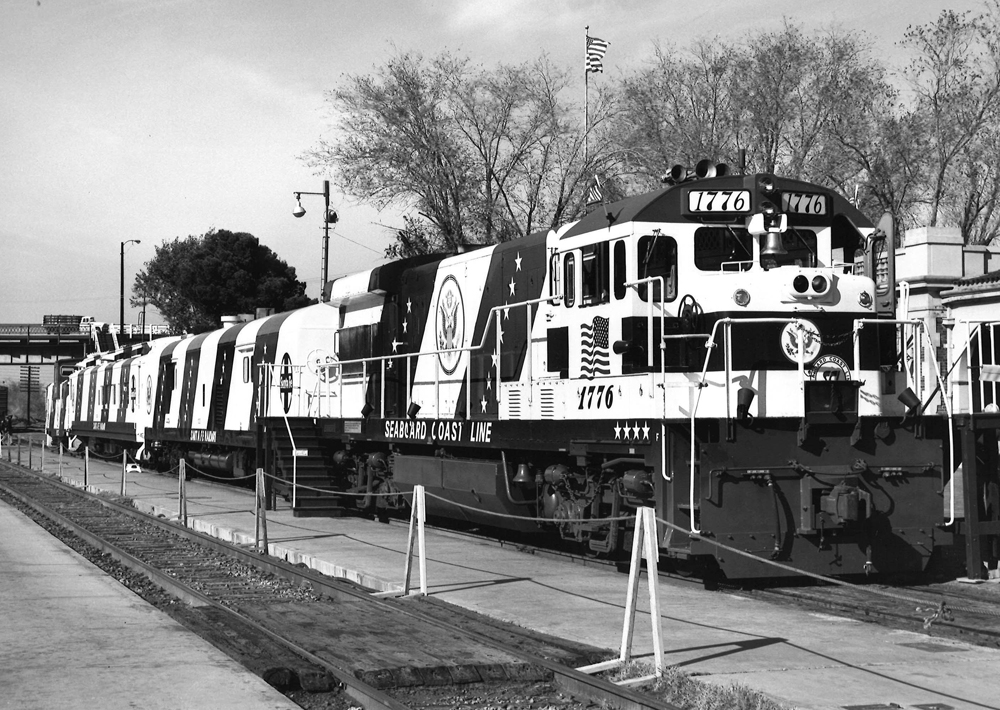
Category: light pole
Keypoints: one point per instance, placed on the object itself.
(121, 310)
(329, 217)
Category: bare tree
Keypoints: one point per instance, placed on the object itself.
(484, 155)
(955, 78)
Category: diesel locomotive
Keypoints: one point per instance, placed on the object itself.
(725, 349)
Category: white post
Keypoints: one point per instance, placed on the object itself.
(417, 517)
(643, 545)
(86, 467)
(124, 464)
(60, 459)
(260, 517)
(182, 504)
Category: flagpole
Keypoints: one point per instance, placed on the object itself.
(586, 98)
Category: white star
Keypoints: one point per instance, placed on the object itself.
(482, 403)
(495, 356)
(518, 261)
(511, 285)
(404, 325)
(618, 430)
(645, 430)
(489, 382)
(409, 306)
(395, 345)
(633, 431)
(506, 312)
(501, 333)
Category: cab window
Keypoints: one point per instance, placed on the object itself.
(569, 268)
(620, 273)
(800, 248)
(723, 249)
(594, 270)
(657, 256)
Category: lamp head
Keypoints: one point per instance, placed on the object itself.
(299, 209)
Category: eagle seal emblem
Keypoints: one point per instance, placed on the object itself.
(449, 319)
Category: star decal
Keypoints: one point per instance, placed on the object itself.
(495, 357)
(511, 286)
(404, 325)
(506, 311)
(632, 432)
(482, 404)
(395, 345)
(500, 331)
(517, 262)
(409, 306)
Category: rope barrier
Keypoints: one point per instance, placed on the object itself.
(942, 611)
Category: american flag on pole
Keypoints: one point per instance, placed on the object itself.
(595, 194)
(595, 53)
(595, 359)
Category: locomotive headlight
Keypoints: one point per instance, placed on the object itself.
(767, 185)
(865, 299)
(810, 284)
(741, 297)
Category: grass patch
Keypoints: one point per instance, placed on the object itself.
(678, 688)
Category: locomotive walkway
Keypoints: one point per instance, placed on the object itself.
(805, 660)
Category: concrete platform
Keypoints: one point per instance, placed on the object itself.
(72, 637)
(805, 660)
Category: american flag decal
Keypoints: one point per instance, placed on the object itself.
(594, 356)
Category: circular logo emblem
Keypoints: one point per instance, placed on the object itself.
(807, 337)
(449, 319)
(285, 382)
(829, 367)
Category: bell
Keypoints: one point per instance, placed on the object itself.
(412, 410)
(773, 245)
(524, 477)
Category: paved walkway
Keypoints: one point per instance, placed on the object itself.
(806, 660)
(73, 637)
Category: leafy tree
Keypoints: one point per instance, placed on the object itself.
(193, 282)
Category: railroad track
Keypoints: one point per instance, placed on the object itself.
(953, 610)
(298, 628)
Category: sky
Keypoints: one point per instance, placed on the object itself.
(156, 119)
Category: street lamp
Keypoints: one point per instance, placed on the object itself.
(121, 311)
(329, 217)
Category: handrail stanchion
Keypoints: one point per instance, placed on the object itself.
(260, 517)
(43, 456)
(60, 459)
(86, 467)
(124, 469)
(643, 546)
(182, 503)
(417, 517)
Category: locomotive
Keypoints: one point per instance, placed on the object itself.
(724, 349)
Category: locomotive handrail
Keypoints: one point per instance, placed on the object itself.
(382, 359)
(701, 385)
(860, 323)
